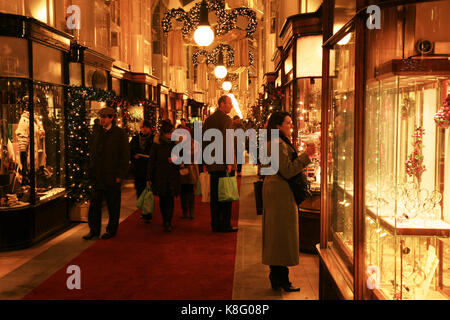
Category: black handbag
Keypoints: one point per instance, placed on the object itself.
(299, 184)
(299, 187)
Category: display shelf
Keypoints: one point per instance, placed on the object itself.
(46, 197)
(19, 206)
(412, 227)
(52, 194)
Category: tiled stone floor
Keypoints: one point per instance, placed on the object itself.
(23, 270)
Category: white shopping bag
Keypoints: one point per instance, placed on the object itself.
(204, 182)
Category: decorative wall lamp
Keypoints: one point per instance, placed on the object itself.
(204, 35)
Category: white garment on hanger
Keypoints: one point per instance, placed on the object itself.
(23, 137)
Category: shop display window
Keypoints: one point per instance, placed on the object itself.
(406, 196)
(407, 154)
(25, 166)
(13, 57)
(49, 116)
(340, 150)
(136, 116)
(308, 123)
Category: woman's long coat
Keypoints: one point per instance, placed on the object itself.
(164, 175)
(280, 220)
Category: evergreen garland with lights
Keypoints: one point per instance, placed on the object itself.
(212, 57)
(79, 133)
(78, 140)
(264, 107)
(226, 21)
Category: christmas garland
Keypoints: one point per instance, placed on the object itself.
(442, 117)
(78, 139)
(179, 15)
(79, 133)
(226, 21)
(245, 12)
(211, 57)
(264, 107)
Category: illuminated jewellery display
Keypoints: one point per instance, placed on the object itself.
(418, 203)
(442, 117)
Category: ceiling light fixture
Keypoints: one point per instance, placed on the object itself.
(227, 85)
(220, 71)
(204, 35)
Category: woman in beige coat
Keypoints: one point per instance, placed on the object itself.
(280, 219)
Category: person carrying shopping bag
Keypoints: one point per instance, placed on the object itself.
(140, 146)
(220, 210)
(162, 174)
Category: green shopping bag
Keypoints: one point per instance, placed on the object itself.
(198, 190)
(228, 189)
(146, 202)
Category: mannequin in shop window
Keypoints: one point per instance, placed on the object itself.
(7, 164)
(23, 138)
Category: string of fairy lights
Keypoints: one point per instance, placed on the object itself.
(78, 127)
(212, 57)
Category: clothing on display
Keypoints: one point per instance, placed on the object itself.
(23, 137)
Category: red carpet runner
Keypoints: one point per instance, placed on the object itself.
(143, 262)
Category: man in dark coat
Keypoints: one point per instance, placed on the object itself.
(220, 211)
(108, 167)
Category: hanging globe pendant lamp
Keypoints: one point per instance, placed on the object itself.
(220, 71)
(204, 35)
(227, 85)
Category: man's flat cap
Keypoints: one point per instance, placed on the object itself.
(107, 111)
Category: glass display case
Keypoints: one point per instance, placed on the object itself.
(15, 183)
(407, 217)
(33, 203)
(301, 80)
(386, 227)
(308, 124)
(31, 161)
(340, 153)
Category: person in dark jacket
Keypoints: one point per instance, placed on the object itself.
(108, 167)
(220, 211)
(163, 175)
(140, 146)
(188, 179)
